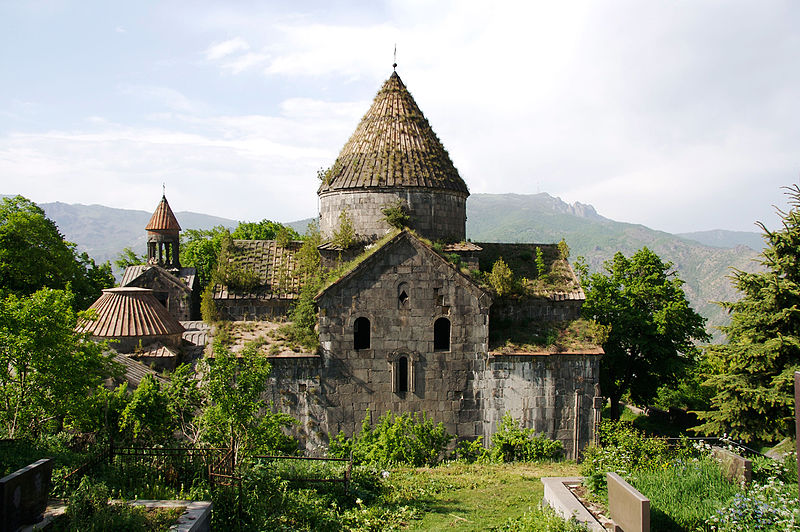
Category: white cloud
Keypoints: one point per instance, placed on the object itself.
(226, 48)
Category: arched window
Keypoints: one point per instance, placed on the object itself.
(441, 335)
(402, 295)
(401, 373)
(361, 333)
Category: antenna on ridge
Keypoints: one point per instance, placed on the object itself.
(394, 65)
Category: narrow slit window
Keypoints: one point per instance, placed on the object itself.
(441, 335)
(402, 374)
(361, 333)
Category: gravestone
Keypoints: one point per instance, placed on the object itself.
(23, 495)
(629, 509)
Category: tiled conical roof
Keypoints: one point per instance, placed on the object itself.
(163, 219)
(130, 311)
(393, 146)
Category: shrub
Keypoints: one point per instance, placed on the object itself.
(471, 451)
(411, 439)
(396, 214)
(501, 278)
(344, 236)
(512, 443)
(623, 450)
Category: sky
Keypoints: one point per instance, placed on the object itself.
(679, 115)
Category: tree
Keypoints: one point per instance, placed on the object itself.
(47, 370)
(653, 328)
(34, 255)
(263, 230)
(200, 249)
(752, 374)
(147, 417)
(501, 278)
(128, 257)
(233, 412)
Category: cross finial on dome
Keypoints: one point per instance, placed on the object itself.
(164, 189)
(394, 65)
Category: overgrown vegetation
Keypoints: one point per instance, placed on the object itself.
(686, 487)
(396, 214)
(412, 439)
(344, 236)
(509, 336)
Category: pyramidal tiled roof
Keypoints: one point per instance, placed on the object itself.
(163, 219)
(393, 146)
(129, 311)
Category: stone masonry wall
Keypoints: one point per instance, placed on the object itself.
(252, 309)
(435, 214)
(540, 391)
(440, 381)
(540, 309)
(295, 388)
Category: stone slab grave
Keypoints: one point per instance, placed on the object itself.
(629, 509)
(735, 468)
(558, 497)
(23, 495)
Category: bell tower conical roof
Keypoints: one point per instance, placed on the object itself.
(393, 146)
(163, 218)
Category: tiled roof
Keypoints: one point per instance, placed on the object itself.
(128, 311)
(136, 371)
(131, 273)
(393, 146)
(274, 265)
(163, 219)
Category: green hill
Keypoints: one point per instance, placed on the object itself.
(543, 218)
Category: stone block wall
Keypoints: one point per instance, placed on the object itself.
(295, 387)
(541, 391)
(439, 382)
(435, 214)
(536, 308)
(252, 309)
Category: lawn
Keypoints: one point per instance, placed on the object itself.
(465, 497)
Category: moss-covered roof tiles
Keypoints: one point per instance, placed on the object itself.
(274, 266)
(393, 146)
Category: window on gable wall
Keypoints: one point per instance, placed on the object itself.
(441, 335)
(361, 333)
(402, 295)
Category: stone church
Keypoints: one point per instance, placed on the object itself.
(414, 324)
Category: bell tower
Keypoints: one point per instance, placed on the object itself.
(163, 237)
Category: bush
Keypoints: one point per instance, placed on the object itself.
(471, 451)
(411, 439)
(623, 450)
(501, 278)
(396, 214)
(512, 443)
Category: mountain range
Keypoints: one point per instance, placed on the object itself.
(703, 260)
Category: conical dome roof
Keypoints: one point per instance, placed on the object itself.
(163, 219)
(128, 311)
(393, 146)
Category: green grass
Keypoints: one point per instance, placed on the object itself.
(475, 496)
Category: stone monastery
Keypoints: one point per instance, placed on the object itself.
(413, 324)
